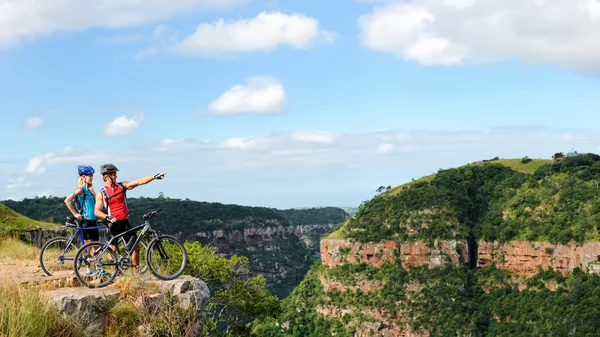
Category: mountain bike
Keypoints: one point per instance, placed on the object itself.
(57, 250)
(165, 255)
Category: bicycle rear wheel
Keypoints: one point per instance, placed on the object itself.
(95, 265)
(56, 257)
(166, 257)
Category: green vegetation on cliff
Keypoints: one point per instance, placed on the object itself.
(497, 200)
(444, 301)
(558, 202)
(313, 216)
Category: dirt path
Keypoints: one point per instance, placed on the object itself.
(22, 271)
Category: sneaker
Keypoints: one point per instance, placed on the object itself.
(89, 272)
(102, 273)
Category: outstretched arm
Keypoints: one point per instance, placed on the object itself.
(142, 181)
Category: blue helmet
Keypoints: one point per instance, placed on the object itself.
(83, 169)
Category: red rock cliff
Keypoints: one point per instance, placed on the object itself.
(337, 251)
(523, 258)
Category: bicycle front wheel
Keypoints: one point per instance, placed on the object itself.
(56, 257)
(166, 257)
(95, 265)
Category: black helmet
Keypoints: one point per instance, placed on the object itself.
(108, 169)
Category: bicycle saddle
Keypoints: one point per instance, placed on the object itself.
(72, 222)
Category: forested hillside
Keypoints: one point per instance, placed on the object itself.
(389, 273)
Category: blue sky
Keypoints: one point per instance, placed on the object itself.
(289, 104)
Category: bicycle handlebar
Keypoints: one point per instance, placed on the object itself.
(150, 214)
(146, 216)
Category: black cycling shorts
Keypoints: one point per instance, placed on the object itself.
(121, 226)
(90, 234)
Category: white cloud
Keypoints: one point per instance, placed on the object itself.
(35, 165)
(23, 19)
(451, 32)
(265, 32)
(291, 168)
(385, 148)
(258, 95)
(34, 123)
(314, 136)
(123, 126)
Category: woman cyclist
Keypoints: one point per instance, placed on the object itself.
(84, 196)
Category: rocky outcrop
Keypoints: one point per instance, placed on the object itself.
(336, 252)
(524, 258)
(39, 236)
(267, 232)
(518, 257)
(89, 305)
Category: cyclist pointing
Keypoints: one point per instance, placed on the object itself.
(113, 197)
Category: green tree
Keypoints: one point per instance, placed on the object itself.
(236, 297)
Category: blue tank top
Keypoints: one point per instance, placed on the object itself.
(87, 202)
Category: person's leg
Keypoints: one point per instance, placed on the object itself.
(89, 235)
(116, 229)
(135, 259)
(135, 255)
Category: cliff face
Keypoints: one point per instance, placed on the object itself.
(339, 252)
(381, 321)
(280, 252)
(519, 258)
(524, 258)
(269, 231)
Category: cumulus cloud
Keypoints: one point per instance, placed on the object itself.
(27, 19)
(452, 32)
(265, 32)
(67, 155)
(35, 165)
(296, 167)
(34, 123)
(259, 95)
(123, 126)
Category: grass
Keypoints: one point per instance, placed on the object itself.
(516, 164)
(24, 312)
(13, 249)
(338, 232)
(12, 222)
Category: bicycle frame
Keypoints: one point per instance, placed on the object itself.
(78, 233)
(146, 228)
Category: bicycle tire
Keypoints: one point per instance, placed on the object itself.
(45, 251)
(157, 246)
(81, 256)
(144, 267)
